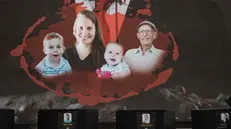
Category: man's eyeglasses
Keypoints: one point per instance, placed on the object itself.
(146, 31)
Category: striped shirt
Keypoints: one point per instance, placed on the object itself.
(47, 70)
(140, 62)
(121, 67)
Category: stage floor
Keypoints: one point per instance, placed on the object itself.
(29, 127)
(35, 127)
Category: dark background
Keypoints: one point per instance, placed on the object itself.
(202, 29)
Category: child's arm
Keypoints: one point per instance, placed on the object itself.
(122, 74)
(67, 67)
(39, 67)
(103, 73)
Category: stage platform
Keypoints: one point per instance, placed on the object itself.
(179, 125)
(35, 127)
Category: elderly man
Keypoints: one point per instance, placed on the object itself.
(146, 58)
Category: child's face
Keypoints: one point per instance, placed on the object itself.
(113, 54)
(54, 49)
(85, 30)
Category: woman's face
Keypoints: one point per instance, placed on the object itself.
(84, 30)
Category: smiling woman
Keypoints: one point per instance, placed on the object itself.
(87, 53)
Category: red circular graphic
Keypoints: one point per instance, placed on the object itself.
(85, 86)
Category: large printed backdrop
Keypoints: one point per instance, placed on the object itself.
(200, 29)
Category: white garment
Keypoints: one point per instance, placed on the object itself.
(144, 63)
(121, 67)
